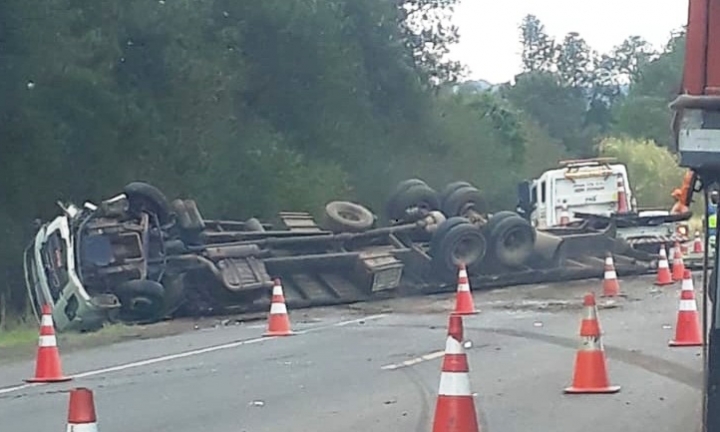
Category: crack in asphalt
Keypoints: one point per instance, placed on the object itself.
(650, 363)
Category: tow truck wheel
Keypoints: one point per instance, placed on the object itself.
(141, 300)
(449, 189)
(146, 197)
(412, 203)
(462, 200)
(456, 241)
(511, 240)
(341, 216)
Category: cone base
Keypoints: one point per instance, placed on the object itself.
(674, 343)
(592, 390)
(48, 380)
(280, 333)
(664, 283)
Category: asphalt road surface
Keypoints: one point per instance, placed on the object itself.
(377, 367)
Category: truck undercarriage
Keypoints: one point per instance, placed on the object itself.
(139, 258)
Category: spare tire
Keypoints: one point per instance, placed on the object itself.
(463, 199)
(449, 189)
(144, 197)
(141, 300)
(456, 241)
(347, 216)
(511, 240)
(418, 197)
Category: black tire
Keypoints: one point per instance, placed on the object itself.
(347, 216)
(456, 241)
(141, 300)
(464, 199)
(444, 227)
(710, 289)
(449, 189)
(422, 197)
(145, 197)
(406, 184)
(511, 241)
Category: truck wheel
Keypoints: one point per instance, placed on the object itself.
(710, 289)
(141, 300)
(346, 216)
(449, 189)
(145, 197)
(511, 240)
(412, 203)
(456, 241)
(406, 184)
(464, 199)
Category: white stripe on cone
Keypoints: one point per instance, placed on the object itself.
(687, 306)
(46, 321)
(454, 384)
(610, 274)
(277, 290)
(85, 427)
(47, 341)
(278, 308)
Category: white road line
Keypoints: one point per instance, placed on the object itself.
(192, 353)
(416, 360)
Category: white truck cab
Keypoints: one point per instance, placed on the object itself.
(597, 186)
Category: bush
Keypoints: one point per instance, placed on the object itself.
(653, 170)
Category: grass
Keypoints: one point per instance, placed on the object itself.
(19, 342)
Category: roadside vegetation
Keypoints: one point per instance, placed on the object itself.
(253, 107)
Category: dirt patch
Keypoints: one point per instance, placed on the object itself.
(549, 305)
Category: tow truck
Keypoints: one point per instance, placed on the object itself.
(599, 188)
(696, 129)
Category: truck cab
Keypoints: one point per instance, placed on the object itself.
(595, 186)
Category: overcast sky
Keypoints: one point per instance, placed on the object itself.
(489, 36)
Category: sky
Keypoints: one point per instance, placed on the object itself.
(489, 37)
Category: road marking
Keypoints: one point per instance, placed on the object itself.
(416, 360)
(171, 357)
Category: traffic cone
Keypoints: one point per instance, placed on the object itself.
(611, 286)
(455, 406)
(81, 412)
(48, 367)
(564, 215)
(590, 374)
(678, 268)
(698, 243)
(278, 320)
(663, 274)
(687, 328)
(621, 196)
(464, 303)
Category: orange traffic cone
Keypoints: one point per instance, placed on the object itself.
(611, 286)
(48, 367)
(678, 268)
(663, 274)
(464, 304)
(590, 375)
(278, 320)
(455, 407)
(81, 412)
(564, 215)
(698, 243)
(687, 328)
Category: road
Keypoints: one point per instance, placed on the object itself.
(361, 368)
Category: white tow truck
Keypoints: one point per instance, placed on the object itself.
(598, 188)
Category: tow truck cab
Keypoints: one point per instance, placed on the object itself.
(578, 186)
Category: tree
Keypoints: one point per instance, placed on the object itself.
(575, 62)
(643, 114)
(539, 50)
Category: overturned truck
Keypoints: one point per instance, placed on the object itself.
(137, 257)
